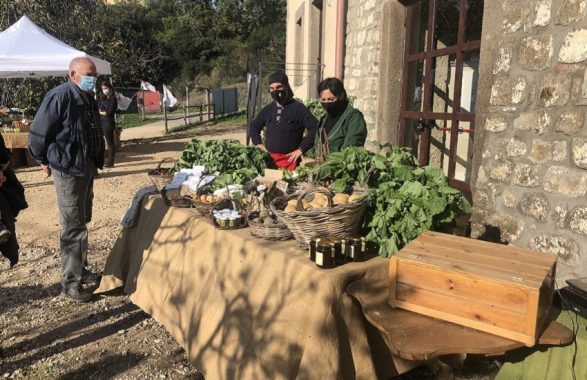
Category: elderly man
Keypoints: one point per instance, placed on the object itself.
(66, 139)
(285, 120)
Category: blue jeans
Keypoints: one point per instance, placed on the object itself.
(74, 200)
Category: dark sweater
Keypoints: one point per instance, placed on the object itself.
(287, 135)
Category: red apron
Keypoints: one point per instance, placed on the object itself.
(282, 161)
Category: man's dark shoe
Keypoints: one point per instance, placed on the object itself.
(89, 277)
(76, 294)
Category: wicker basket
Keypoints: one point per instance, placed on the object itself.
(231, 204)
(162, 176)
(278, 231)
(175, 199)
(338, 221)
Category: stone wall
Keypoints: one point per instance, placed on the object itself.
(532, 147)
(363, 48)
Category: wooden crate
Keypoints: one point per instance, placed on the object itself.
(503, 290)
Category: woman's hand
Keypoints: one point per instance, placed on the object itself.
(293, 156)
(262, 147)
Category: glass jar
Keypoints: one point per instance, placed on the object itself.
(325, 254)
(356, 248)
(312, 247)
(340, 251)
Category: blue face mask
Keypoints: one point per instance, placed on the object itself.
(87, 83)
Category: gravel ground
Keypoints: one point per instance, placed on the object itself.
(44, 336)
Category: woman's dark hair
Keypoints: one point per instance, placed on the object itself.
(109, 85)
(335, 86)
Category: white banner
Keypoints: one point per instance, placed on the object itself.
(147, 86)
(168, 99)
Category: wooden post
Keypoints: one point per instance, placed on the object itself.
(208, 96)
(185, 115)
(201, 113)
(165, 117)
(187, 98)
(143, 113)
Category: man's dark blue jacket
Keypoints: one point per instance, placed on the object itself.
(57, 136)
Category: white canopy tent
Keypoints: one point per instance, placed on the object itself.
(28, 51)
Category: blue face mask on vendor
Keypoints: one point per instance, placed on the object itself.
(87, 83)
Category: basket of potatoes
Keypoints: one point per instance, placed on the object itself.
(204, 202)
(265, 225)
(320, 212)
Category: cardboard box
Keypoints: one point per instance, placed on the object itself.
(499, 289)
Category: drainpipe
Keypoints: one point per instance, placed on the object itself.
(340, 28)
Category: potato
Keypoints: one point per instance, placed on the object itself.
(210, 198)
(202, 198)
(314, 204)
(355, 197)
(322, 198)
(289, 209)
(340, 199)
(292, 202)
(321, 203)
(305, 203)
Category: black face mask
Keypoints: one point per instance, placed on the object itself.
(279, 95)
(335, 108)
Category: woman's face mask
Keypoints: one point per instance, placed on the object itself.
(106, 91)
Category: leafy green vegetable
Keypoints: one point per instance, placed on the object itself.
(236, 163)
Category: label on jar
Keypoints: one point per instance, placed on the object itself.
(319, 259)
(352, 251)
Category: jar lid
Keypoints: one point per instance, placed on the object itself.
(325, 244)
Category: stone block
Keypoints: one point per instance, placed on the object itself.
(512, 146)
(526, 175)
(535, 205)
(578, 220)
(510, 198)
(555, 90)
(503, 62)
(562, 180)
(535, 52)
(570, 11)
(574, 48)
(564, 247)
(495, 124)
(513, 20)
(570, 122)
(510, 227)
(579, 151)
(559, 215)
(542, 11)
(507, 91)
(543, 151)
(501, 171)
(533, 121)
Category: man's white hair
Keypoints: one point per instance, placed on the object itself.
(77, 60)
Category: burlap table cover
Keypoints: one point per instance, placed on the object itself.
(15, 140)
(245, 308)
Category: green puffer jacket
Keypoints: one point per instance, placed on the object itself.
(349, 130)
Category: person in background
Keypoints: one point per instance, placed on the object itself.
(66, 139)
(342, 124)
(285, 120)
(108, 106)
(12, 201)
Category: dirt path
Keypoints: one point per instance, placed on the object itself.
(44, 336)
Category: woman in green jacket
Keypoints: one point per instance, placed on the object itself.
(343, 124)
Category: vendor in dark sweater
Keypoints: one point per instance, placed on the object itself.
(284, 120)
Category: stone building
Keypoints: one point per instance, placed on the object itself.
(496, 96)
